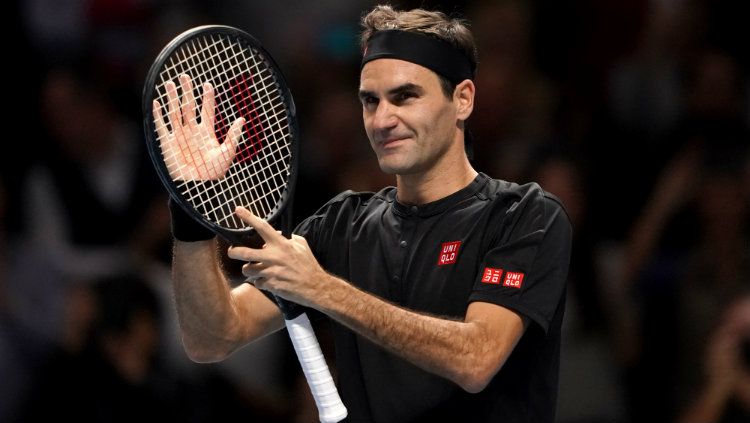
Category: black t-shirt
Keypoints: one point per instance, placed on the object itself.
(492, 241)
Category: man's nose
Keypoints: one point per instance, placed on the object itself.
(385, 116)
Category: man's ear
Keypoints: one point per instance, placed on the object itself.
(463, 95)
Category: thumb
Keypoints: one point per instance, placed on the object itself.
(229, 147)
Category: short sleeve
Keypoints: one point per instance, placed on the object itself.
(310, 229)
(526, 266)
(316, 229)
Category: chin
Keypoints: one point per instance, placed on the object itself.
(388, 169)
(398, 168)
(401, 162)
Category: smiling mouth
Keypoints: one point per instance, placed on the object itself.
(391, 141)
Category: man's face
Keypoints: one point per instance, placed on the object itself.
(409, 120)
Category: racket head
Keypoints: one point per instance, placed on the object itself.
(247, 83)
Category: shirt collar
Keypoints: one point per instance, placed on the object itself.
(441, 205)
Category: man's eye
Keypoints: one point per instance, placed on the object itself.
(403, 96)
(369, 100)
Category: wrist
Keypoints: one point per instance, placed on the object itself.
(335, 293)
(184, 227)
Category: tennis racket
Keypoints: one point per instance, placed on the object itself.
(232, 140)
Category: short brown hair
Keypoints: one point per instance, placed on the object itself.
(436, 24)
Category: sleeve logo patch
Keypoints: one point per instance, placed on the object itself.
(492, 276)
(448, 252)
(513, 279)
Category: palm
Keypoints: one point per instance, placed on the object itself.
(191, 150)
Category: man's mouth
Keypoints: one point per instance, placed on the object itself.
(392, 141)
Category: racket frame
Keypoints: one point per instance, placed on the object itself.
(247, 236)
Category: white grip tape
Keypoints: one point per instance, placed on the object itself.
(316, 371)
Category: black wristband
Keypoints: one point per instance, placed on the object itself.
(184, 227)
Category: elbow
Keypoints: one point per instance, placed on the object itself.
(475, 378)
(474, 384)
(201, 353)
(202, 356)
(477, 370)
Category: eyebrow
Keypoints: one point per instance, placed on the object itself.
(409, 86)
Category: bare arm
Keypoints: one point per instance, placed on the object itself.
(214, 319)
(468, 352)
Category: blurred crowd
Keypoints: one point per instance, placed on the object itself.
(634, 112)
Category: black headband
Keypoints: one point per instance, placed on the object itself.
(437, 55)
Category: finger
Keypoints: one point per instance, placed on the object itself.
(264, 229)
(299, 239)
(209, 106)
(173, 106)
(229, 148)
(161, 127)
(259, 282)
(258, 271)
(167, 150)
(248, 254)
(188, 100)
(252, 270)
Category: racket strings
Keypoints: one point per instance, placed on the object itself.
(245, 86)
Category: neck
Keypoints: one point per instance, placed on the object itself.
(451, 174)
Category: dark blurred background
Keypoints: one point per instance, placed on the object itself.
(634, 112)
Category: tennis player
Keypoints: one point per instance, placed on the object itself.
(446, 292)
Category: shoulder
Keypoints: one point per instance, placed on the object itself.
(348, 206)
(356, 202)
(527, 202)
(516, 195)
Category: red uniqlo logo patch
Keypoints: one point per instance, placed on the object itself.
(513, 279)
(448, 252)
(491, 275)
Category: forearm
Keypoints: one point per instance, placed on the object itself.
(213, 321)
(466, 353)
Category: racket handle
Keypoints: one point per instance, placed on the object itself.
(319, 378)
